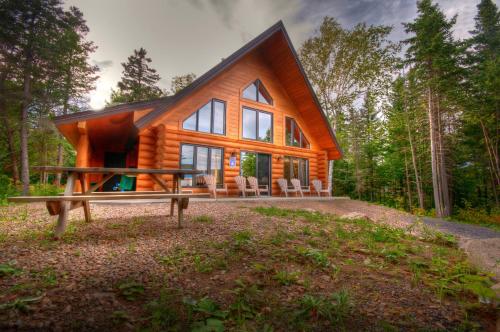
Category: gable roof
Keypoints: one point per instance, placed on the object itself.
(164, 104)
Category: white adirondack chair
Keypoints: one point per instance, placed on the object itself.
(254, 184)
(212, 185)
(318, 187)
(241, 182)
(296, 185)
(283, 184)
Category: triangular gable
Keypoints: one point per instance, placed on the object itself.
(278, 50)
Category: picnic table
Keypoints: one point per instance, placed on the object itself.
(69, 200)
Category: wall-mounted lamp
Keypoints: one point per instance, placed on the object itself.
(233, 154)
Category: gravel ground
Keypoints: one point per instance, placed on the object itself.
(124, 242)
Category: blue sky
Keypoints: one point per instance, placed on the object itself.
(184, 36)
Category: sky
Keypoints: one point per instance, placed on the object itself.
(183, 36)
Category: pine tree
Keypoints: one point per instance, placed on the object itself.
(74, 77)
(433, 52)
(180, 82)
(139, 81)
(27, 32)
(484, 74)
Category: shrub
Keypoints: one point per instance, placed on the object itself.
(48, 189)
(7, 188)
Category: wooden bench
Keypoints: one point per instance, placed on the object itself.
(61, 204)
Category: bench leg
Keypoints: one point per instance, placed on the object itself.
(181, 205)
(65, 205)
(172, 204)
(86, 204)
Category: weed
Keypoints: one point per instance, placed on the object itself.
(318, 257)
(48, 277)
(202, 265)
(204, 219)
(393, 255)
(131, 290)
(21, 304)
(174, 259)
(9, 269)
(281, 237)
(242, 238)
(335, 308)
(310, 216)
(286, 278)
(163, 313)
(120, 316)
(248, 297)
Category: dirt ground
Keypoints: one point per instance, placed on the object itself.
(77, 283)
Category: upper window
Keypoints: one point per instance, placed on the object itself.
(211, 118)
(257, 125)
(294, 136)
(257, 92)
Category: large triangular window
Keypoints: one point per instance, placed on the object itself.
(294, 135)
(210, 118)
(257, 92)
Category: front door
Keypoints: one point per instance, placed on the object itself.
(257, 165)
(116, 160)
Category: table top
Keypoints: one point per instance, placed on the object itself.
(105, 170)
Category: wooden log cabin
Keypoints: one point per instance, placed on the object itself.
(255, 113)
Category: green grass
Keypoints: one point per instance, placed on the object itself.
(204, 219)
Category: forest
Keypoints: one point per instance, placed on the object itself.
(417, 119)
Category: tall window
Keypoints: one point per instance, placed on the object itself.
(257, 125)
(202, 158)
(211, 118)
(257, 92)
(297, 168)
(294, 136)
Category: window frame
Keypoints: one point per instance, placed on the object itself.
(257, 111)
(257, 84)
(293, 126)
(212, 112)
(291, 158)
(209, 162)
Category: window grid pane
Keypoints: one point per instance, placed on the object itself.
(265, 127)
(219, 114)
(249, 123)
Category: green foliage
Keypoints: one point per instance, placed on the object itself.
(7, 188)
(138, 82)
(48, 189)
(335, 308)
(286, 278)
(9, 269)
(242, 238)
(317, 256)
(131, 290)
(204, 219)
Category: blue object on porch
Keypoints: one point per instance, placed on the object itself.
(126, 183)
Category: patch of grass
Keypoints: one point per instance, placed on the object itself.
(9, 269)
(247, 301)
(335, 308)
(204, 218)
(286, 278)
(174, 259)
(163, 313)
(21, 304)
(242, 238)
(310, 216)
(318, 257)
(131, 290)
(201, 264)
(47, 277)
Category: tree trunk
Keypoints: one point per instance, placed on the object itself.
(413, 151)
(438, 203)
(25, 172)
(408, 186)
(443, 173)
